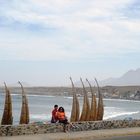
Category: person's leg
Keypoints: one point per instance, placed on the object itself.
(66, 126)
(53, 121)
(64, 122)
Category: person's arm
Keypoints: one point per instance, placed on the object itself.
(53, 115)
(65, 116)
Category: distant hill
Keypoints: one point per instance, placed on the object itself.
(132, 77)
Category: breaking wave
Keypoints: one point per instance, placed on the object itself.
(40, 117)
(118, 114)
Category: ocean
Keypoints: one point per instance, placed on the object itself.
(40, 107)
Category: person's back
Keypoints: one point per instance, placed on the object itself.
(54, 114)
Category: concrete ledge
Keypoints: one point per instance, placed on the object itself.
(30, 129)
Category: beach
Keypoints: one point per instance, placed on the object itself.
(83, 135)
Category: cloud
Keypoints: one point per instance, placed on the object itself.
(68, 29)
(131, 26)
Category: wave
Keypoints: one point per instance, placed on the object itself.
(116, 114)
(121, 100)
(68, 97)
(114, 108)
(35, 95)
(15, 94)
(30, 95)
(40, 117)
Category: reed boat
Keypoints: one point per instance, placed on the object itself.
(24, 116)
(7, 118)
(85, 114)
(100, 108)
(75, 105)
(93, 107)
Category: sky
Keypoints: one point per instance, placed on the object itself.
(44, 42)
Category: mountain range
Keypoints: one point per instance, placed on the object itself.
(132, 77)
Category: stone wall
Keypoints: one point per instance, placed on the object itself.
(12, 130)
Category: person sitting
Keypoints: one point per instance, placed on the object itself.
(62, 117)
(54, 118)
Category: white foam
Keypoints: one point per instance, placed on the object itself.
(68, 97)
(15, 94)
(121, 100)
(108, 108)
(40, 116)
(35, 95)
(117, 114)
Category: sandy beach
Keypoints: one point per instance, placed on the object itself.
(88, 135)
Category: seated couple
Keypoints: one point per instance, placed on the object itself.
(58, 115)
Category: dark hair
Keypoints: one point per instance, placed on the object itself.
(55, 105)
(61, 108)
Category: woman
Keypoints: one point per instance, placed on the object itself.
(62, 117)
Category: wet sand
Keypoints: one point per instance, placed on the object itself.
(110, 134)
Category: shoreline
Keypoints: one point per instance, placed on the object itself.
(122, 92)
(71, 96)
(82, 135)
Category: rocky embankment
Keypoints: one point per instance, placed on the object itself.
(30, 129)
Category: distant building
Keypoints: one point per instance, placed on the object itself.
(116, 93)
(106, 94)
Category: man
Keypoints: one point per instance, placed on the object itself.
(54, 114)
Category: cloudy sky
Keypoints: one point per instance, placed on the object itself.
(43, 42)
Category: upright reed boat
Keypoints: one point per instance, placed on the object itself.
(7, 118)
(75, 105)
(93, 107)
(85, 115)
(24, 117)
(100, 108)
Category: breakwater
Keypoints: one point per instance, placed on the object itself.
(30, 129)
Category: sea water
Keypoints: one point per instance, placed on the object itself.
(40, 107)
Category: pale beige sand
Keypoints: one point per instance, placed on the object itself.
(82, 135)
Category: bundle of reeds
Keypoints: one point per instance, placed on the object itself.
(7, 117)
(75, 105)
(24, 117)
